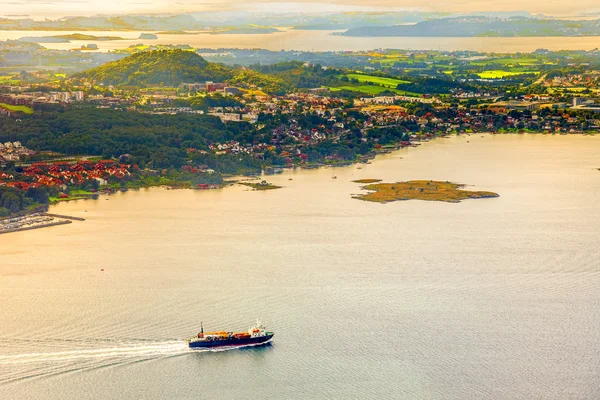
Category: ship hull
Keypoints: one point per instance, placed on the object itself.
(230, 342)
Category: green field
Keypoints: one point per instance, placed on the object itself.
(23, 109)
(520, 61)
(9, 80)
(508, 61)
(371, 90)
(76, 194)
(386, 82)
(499, 74)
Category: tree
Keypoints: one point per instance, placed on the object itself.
(11, 201)
(38, 194)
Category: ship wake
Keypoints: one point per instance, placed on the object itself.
(57, 357)
(64, 356)
(159, 349)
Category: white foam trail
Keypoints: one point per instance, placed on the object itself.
(145, 350)
(155, 350)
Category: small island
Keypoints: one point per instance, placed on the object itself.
(264, 185)
(148, 36)
(420, 190)
(367, 180)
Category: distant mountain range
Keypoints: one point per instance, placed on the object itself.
(366, 24)
(475, 26)
(234, 19)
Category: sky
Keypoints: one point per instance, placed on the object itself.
(59, 8)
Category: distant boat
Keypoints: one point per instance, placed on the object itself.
(254, 336)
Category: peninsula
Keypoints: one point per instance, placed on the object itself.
(481, 26)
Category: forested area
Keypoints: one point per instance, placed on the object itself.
(206, 102)
(158, 141)
(296, 75)
(432, 86)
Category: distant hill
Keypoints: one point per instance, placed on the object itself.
(483, 26)
(67, 38)
(169, 67)
(231, 19)
(174, 67)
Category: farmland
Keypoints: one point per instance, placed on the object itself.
(377, 80)
(458, 66)
(370, 85)
(370, 89)
(8, 80)
(500, 74)
(523, 61)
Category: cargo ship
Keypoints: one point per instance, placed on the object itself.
(254, 336)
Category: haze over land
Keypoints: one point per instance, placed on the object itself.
(60, 8)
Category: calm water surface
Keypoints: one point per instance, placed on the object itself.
(486, 299)
(290, 39)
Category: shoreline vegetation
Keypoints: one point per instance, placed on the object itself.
(428, 190)
(419, 190)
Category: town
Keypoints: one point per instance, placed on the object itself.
(247, 120)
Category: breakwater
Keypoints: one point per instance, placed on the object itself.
(28, 228)
(64, 217)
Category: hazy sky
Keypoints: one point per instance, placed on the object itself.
(56, 8)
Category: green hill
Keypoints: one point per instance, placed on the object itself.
(169, 67)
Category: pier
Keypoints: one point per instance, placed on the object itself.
(64, 217)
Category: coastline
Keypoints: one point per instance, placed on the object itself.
(230, 180)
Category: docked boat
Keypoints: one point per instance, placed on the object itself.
(254, 336)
